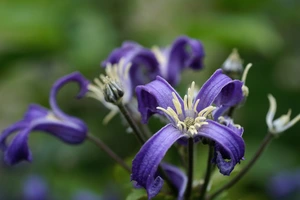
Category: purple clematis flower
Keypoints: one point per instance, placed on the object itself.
(166, 62)
(68, 129)
(189, 117)
(183, 53)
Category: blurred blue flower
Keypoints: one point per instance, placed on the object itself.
(35, 188)
(285, 185)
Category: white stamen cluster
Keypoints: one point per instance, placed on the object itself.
(161, 58)
(188, 119)
(116, 74)
(282, 123)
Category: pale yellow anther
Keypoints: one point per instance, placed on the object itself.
(177, 104)
(245, 73)
(185, 102)
(196, 105)
(182, 125)
(159, 55)
(117, 73)
(206, 111)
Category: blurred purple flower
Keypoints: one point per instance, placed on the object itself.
(285, 185)
(167, 62)
(35, 188)
(189, 118)
(67, 128)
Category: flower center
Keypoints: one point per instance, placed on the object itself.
(186, 117)
(117, 75)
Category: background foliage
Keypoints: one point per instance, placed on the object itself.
(41, 41)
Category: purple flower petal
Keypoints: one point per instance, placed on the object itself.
(69, 129)
(221, 90)
(18, 149)
(229, 145)
(73, 77)
(184, 52)
(154, 94)
(145, 163)
(177, 177)
(144, 66)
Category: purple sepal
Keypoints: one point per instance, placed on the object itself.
(69, 129)
(154, 94)
(220, 90)
(145, 163)
(229, 145)
(144, 65)
(184, 52)
(177, 177)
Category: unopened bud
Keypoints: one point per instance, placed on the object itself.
(113, 93)
(233, 65)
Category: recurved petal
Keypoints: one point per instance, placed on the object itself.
(154, 94)
(144, 66)
(184, 52)
(76, 77)
(70, 132)
(221, 90)
(11, 129)
(229, 145)
(177, 177)
(123, 51)
(18, 149)
(145, 163)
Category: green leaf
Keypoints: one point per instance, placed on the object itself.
(137, 195)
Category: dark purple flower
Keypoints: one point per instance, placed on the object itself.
(35, 188)
(183, 53)
(166, 62)
(67, 128)
(189, 117)
(144, 66)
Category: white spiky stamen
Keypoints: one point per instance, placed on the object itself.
(117, 73)
(245, 89)
(161, 58)
(186, 118)
(282, 123)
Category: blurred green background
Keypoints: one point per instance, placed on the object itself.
(41, 41)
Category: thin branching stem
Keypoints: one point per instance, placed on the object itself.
(107, 150)
(207, 173)
(268, 138)
(190, 168)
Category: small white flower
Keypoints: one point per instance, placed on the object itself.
(282, 123)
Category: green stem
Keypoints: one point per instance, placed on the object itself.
(207, 173)
(190, 168)
(268, 138)
(131, 122)
(107, 150)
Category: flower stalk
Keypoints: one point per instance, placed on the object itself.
(190, 168)
(268, 138)
(207, 173)
(99, 143)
